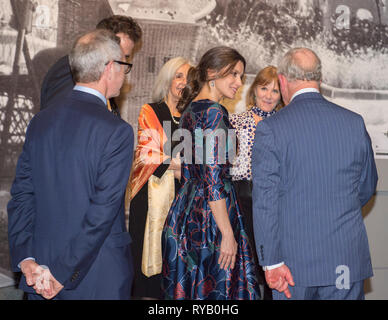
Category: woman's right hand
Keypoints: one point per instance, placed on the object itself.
(175, 165)
(228, 251)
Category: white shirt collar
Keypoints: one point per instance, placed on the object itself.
(305, 90)
(91, 91)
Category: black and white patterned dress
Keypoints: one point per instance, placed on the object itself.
(245, 125)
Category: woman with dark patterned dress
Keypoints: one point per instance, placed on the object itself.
(263, 100)
(155, 179)
(206, 252)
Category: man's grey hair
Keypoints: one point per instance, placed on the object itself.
(301, 64)
(90, 54)
(165, 77)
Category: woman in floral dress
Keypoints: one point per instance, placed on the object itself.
(206, 252)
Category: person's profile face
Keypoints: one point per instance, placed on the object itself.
(126, 45)
(117, 78)
(228, 85)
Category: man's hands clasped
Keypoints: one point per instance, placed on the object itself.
(41, 279)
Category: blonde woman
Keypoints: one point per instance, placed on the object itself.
(155, 176)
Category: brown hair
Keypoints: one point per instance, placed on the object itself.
(215, 59)
(263, 78)
(118, 24)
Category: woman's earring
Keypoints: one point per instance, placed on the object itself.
(212, 84)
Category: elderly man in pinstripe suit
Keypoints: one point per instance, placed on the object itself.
(313, 170)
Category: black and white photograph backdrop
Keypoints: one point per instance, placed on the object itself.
(350, 37)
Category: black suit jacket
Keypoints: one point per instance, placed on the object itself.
(58, 83)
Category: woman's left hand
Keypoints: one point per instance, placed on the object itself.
(228, 251)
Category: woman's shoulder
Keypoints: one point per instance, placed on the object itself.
(241, 115)
(238, 119)
(146, 107)
(216, 109)
(207, 107)
(204, 104)
(148, 114)
(209, 113)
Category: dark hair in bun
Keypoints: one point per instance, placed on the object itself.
(215, 59)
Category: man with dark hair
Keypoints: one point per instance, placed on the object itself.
(58, 81)
(122, 25)
(66, 221)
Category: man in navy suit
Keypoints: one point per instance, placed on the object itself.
(67, 205)
(58, 81)
(313, 170)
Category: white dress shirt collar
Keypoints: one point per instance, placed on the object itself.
(305, 90)
(91, 91)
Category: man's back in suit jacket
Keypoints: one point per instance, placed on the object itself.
(313, 170)
(67, 206)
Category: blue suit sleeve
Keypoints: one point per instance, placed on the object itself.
(112, 178)
(21, 209)
(265, 195)
(368, 179)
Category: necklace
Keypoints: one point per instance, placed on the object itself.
(256, 110)
(172, 117)
(173, 120)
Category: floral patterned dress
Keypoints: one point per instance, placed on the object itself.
(191, 239)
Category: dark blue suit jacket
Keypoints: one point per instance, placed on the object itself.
(57, 83)
(67, 206)
(313, 170)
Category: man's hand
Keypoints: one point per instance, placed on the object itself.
(40, 279)
(47, 286)
(279, 279)
(31, 271)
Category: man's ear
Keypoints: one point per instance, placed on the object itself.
(284, 88)
(282, 81)
(108, 71)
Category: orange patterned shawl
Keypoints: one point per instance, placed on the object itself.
(149, 150)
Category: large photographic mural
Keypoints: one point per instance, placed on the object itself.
(350, 36)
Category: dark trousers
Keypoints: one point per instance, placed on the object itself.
(244, 197)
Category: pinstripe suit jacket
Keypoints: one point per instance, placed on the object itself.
(313, 169)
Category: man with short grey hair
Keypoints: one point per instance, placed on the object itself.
(66, 226)
(313, 170)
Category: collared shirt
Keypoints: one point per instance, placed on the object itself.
(91, 91)
(305, 90)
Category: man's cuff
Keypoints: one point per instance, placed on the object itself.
(274, 266)
(30, 258)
